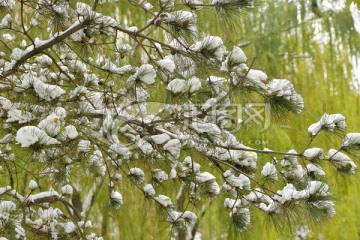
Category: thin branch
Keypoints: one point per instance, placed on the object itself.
(32, 51)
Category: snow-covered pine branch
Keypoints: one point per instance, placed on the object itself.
(98, 104)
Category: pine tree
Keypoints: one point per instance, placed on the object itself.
(95, 104)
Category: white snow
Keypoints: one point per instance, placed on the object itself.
(177, 85)
(67, 190)
(351, 140)
(29, 135)
(269, 171)
(149, 190)
(314, 153)
(193, 84)
(33, 185)
(167, 64)
(160, 138)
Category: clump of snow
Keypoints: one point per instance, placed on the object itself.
(116, 199)
(328, 122)
(29, 135)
